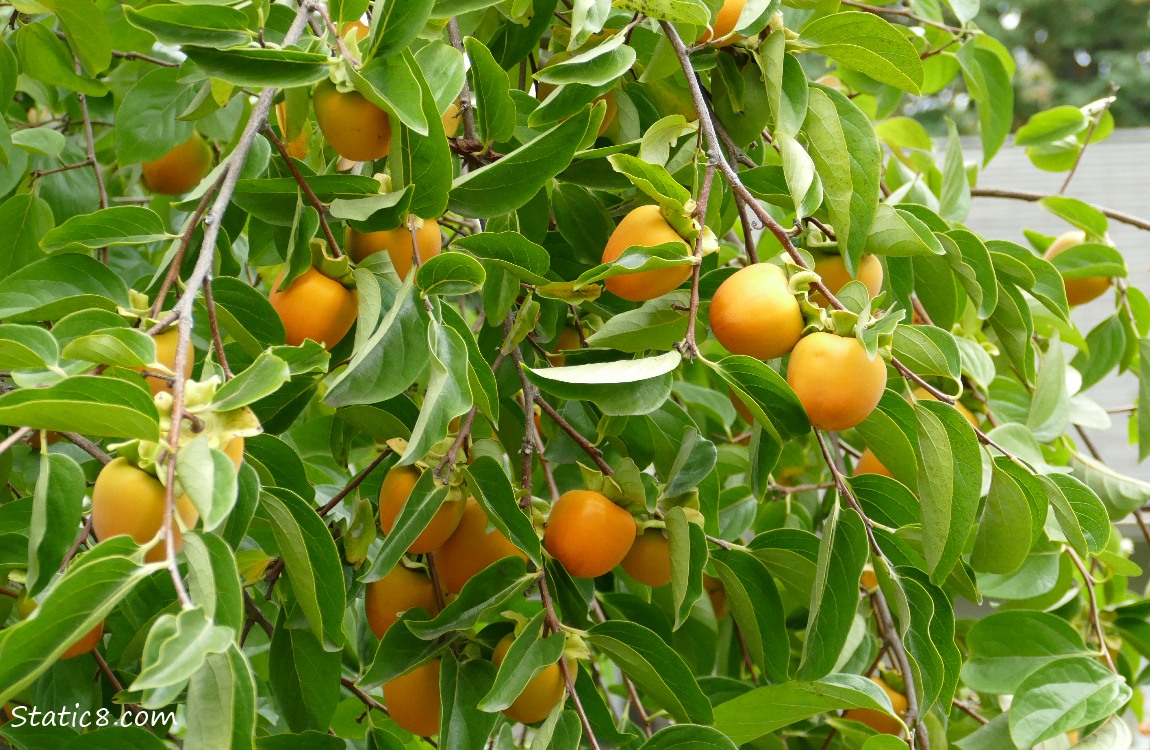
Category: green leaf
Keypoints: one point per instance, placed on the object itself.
(802, 180)
(87, 34)
(653, 179)
(1002, 538)
(769, 708)
(492, 487)
(264, 377)
(765, 394)
(509, 183)
(56, 506)
(261, 66)
(44, 141)
(954, 196)
(1051, 125)
(197, 25)
(846, 153)
(489, 589)
(208, 476)
(637, 259)
(424, 162)
(868, 44)
(147, 124)
(688, 737)
(757, 609)
(391, 84)
(395, 25)
(389, 358)
(450, 274)
(311, 562)
(1050, 406)
(27, 348)
(657, 324)
(213, 580)
(510, 251)
(842, 553)
(462, 724)
(1082, 215)
(125, 347)
(1143, 424)
(597, 66)
(421, 505)
(949, 483)
(86, 404)
(927, 350)
(624, 387)
(528, 656)
(246, 315)
(1006, 647)
(69, 609)
(52, 288)
(896, 232)
(28, 217)
(304, 678)
(221, 703)
(688, 545)
(119, 225)
(51, 60)
(175, 649)
(654, 667)
(1064, 695)
(495, 110)
(448, 392)
(989, 84)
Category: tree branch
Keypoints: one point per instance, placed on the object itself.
(312, 198)
(466, 109)
(907, 14)
(1032, 197)
(688, 346)
(552, 623)
(1095, 617)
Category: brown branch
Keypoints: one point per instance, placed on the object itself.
(644, 717)
(178, 259)
(115, 682)
(214, 324)
(255, 615)
(688, 346)
(80, 538)
(1095, 617)
(907, 14)
(339, 45)
(966, 709)
(14, 438)
(182, 311)
(1032, 197)
(919, 735)
(553, 624)
(36, 174)
(312, 198)
(144, 58)
(364, 698)
(355, 482)
(1094, 121)
(466, 109)
(586, 445)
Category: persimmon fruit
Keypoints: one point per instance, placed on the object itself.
(868, 463)
(645, 227)
(452, 119)
(588, 534)
(568, 339)
(877, 720)
(357, 129)
(471, 548)
(398, 591)
(923, 394)
(179, 170)
(649, 559)
(166, 343)
(315, 307)
(754, 313)
(396, 243)
(393, 495)
(299, 146)
(544, 90)
(86, 643)
(413, 700)
(833, 271)
(128, 500)
(541, 694)
(837, 383)
(725, 23)
(1078, 291)
(717, 594)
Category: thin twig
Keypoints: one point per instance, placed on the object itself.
(588, 447)
(355, 482)
(885, 621)
(214, 324)
(14, 438)
(312, 198)
(1032, 197)
(80, 538)
(466, 110)
(144, 58)
(1094, 121)
(689, 347)
(1095, 617)
(182, 311)
(552, 621)
(185, 240)
(969, 711)
(364, 698)
(339, 45)
(90, 142)
(909, 15)
(115, 682)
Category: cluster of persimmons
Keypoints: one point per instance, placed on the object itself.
(754, 312)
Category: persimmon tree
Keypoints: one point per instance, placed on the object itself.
(551, 374)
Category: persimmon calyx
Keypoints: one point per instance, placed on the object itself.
(338, 269)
